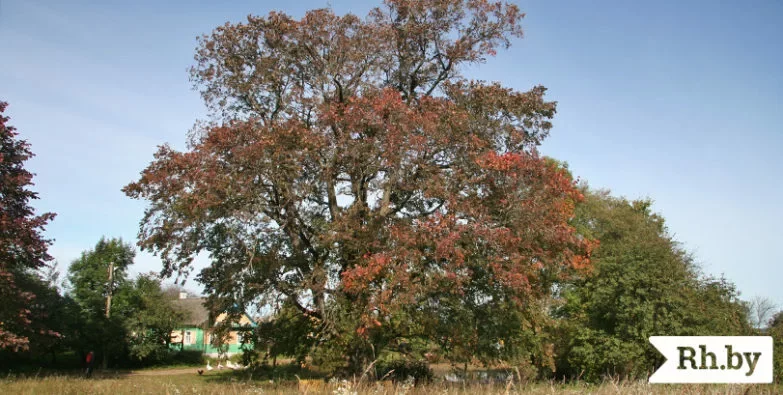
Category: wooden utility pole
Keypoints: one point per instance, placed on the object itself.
(111, 286)
(108, 313)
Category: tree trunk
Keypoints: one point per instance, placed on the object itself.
(105, 362)
(105, 359)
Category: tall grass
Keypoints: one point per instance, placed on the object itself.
(227, 384)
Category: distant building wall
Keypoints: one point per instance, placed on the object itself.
(196, 339)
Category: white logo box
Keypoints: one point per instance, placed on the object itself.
(714, 359)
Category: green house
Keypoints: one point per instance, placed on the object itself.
(196, 332)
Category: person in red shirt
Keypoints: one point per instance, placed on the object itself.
(90, 360)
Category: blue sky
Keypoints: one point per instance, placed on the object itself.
(679, 101)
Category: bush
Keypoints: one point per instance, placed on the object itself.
(776, 331)
(187, 357)
(400, 369)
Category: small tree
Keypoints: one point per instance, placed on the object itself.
(155, 317)
(286, 333)
(761, 310)
(23, 250)
(103, 295)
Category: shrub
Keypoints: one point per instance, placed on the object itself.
(187, 357)
(400, 369)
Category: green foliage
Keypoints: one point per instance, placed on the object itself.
(88, 277)
(717, 310)
(150, 327)
(642, 284)
(287, 333)
(141, 317)
(497, 334)
(776, 331)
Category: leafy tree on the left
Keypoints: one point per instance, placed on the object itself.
(23, 249)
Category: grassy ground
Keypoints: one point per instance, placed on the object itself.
(185, 381)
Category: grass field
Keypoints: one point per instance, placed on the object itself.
(187, 381)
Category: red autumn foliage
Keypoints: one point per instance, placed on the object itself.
(22, 248)
(353, 167)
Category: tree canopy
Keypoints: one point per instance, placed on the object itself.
(351, 170)
(643, 284)
(154, 318)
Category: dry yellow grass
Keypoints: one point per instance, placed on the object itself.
(191, 383)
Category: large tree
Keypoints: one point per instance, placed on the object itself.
(351, 170)
(23, 249)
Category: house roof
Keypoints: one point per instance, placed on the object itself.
(197, 314)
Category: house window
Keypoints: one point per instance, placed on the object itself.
(209, 338)
(188, 338)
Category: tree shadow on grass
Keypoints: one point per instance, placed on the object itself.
(279, 374)
(31, 373)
